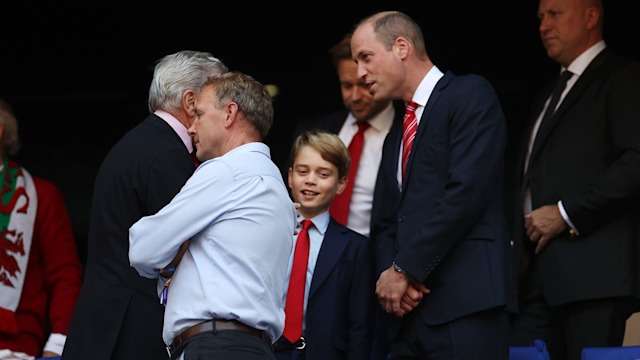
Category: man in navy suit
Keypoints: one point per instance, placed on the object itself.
(118, 314)
(576, 220)
(441, 238)
(339, 289)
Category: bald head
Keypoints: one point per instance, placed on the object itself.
(569, 27)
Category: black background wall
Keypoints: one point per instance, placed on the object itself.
(77, 74)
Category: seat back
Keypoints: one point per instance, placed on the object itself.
(537, 351)
(611, 353)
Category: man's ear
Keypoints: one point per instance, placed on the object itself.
(402, 47)
(189, 102)
(231, 109)
(593, 17)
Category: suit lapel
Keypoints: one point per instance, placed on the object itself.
(571, 97)
(395, 137)
(333, 245)
(424, 119)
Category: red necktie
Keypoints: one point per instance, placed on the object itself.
(295, 295)
(341, 203)
(409, 127)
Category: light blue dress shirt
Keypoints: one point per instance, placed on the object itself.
(238, 214)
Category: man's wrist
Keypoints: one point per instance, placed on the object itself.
(573, 231)
(397, 268)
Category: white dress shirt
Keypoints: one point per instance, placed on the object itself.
(238, 214)
(421, 97)
(365, 181)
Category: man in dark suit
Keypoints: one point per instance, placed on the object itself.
(360, 106)
(118, 314)
(441, 237)
(338, 316)
(576, 211)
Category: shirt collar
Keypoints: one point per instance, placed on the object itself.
(321, 222)
(178, 127)
(380, 122)
(424, 90)
(578, 65)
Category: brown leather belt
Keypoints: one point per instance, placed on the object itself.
(214, 326)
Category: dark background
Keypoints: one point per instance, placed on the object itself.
(77, 74)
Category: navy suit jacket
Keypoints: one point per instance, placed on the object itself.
(340, 307)
(588, 156)
(118, 314)
(447, 227)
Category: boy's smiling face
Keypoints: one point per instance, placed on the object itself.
(314, 182)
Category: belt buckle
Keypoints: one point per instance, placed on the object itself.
(303, 345)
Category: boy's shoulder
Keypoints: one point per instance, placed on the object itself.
(346, 232)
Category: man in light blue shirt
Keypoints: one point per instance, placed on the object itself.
(229, 229)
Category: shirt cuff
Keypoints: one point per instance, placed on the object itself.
(55, 343)
(566, 218)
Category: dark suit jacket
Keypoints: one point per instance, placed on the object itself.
(118, 314)
(447, 227)
(589, 157)
(339, 317)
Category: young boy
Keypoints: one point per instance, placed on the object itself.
(339, 298)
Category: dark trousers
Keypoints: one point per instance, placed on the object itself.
(381, 344)
(569, 327)
(227, 345)
(290, 355)
(480, 336)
